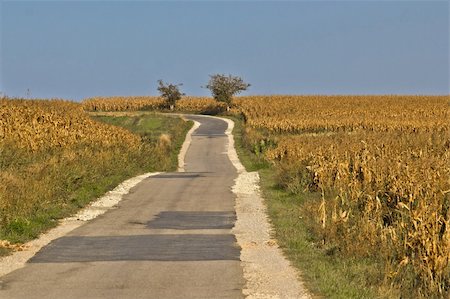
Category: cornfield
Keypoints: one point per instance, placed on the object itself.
(38, 125)
(123, 103)
(382, 165)
(309, 114)
(199, 105)
(186, 104)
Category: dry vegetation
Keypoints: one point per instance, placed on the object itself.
(382, 167)
(123, 103)
(186, 104)
(200, 105)
(38, 125)
(54, 159)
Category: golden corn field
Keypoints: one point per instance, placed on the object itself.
(382, 165)
(199, 105)
(303, 114)
(187, 104)
(37, 125)
(123, 103)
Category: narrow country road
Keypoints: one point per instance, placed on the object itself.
(169, 238)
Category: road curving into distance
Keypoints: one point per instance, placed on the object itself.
(172, 236)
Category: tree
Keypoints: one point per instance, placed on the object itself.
(223, 87)
(170, 92)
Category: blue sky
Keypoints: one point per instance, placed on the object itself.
(77, 49)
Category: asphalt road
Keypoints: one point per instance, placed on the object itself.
(170, 237)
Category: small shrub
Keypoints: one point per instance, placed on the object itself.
(170, 92)
(223, 87)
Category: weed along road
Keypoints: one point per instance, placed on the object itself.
(170, 237)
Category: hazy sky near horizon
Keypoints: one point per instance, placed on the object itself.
(77, 49)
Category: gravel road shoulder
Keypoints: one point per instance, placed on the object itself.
(267, 272)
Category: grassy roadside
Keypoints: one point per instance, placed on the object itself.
(325, 273)
(156, 130)
(48, 185)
